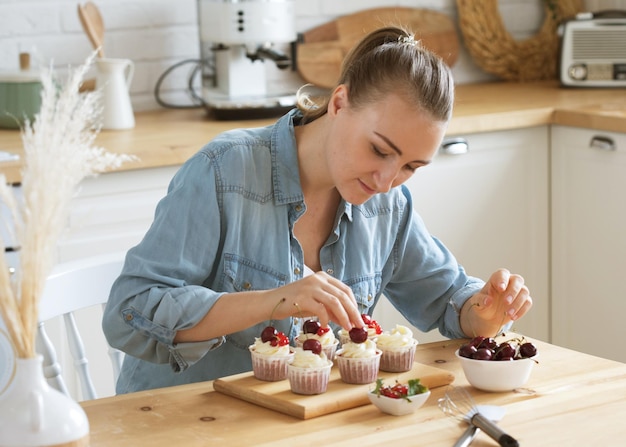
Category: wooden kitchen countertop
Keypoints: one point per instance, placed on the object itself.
(571, 399)
(168, 137)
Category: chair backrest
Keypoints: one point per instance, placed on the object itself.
(71, 287)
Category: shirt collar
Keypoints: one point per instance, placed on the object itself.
(285, 167)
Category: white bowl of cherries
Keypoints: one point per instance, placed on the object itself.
(497, 366)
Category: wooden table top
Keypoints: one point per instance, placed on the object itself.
(571, 399)
(168, 137)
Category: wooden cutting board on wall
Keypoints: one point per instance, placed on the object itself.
(321, 50)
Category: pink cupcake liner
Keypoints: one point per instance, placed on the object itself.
(358, 370)
(398, 360)
(309, 380)
(270, 368)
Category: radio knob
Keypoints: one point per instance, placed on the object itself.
(578, 72)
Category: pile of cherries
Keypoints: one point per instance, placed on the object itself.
(487, 348)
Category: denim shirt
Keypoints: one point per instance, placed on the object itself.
(226, 225)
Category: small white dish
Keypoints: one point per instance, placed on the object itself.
(398, 407)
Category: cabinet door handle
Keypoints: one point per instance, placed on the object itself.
(455, 146)
(602, 143)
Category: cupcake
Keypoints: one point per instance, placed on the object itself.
(372, 326)
(309, 372)
(358, 362)
(312, 329)
(270, 360)
(398, 347)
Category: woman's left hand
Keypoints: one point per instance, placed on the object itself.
(502, 299)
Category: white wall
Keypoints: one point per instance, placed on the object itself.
(156, 34)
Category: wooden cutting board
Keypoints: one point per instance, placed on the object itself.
(339, 395)
(320, 51)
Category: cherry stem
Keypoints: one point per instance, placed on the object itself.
(282, 300)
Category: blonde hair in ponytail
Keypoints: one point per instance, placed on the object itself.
(389, 60)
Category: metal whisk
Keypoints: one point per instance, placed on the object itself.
(458, 403)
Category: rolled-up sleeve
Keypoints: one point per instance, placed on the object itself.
(160, 290)
(428, 286)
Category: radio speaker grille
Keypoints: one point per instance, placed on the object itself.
(599, 44)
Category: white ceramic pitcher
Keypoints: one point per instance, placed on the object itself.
(113, 78)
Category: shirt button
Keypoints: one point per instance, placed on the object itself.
(129, 317)
(298, 208)
(296, 270)
(247, 285)
(330, 271)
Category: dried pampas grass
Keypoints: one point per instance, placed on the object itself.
(59, 152)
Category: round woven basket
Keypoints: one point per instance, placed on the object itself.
(497, 52)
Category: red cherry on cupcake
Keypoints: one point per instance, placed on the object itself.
(311, 327)
(371, 323)
(312, 345)
(358, 334)
(280, 340)
(268, 334)
(322, 330)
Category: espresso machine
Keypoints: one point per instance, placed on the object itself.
(237, 40)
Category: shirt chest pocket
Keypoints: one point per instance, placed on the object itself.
(242, 275)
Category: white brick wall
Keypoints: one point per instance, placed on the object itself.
(156, 34)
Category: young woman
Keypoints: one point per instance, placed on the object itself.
(310, 210)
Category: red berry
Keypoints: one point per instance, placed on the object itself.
(268, 334)
(366, 318)
(312, 345)
(311, 326)
(322, 330)
(527, 350)
(476, 341)
(488, 343)
(505, 351)
(358, 335)
(467, 351)
(483, 354)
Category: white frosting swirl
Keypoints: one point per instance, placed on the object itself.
(307, 359)
(266, 348)
(398, 337)
(359, 350)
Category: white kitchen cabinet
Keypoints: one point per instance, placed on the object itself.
(589, 241)
(113, 211)
(490, 207)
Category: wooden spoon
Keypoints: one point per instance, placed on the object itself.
(93, 25)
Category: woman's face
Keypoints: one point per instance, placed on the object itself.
(379, 146)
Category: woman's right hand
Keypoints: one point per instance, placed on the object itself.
(319, 295)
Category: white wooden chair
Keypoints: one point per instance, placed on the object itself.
(74, 286)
